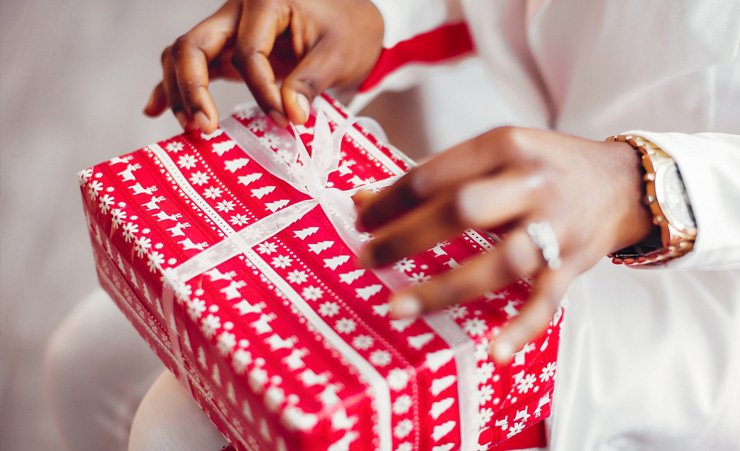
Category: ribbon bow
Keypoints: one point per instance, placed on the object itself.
(306, 173)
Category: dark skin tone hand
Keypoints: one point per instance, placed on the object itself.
(588, 191)
(309, 45)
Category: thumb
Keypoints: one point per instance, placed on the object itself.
(316, 72)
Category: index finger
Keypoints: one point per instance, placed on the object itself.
(463, 162)
(261, 22)
(192, 53)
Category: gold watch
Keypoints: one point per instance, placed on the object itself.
(665, 195)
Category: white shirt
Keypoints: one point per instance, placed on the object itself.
(649, 359)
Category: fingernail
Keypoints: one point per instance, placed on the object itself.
(405, 305)
(182, 119)
(366, 257)
(304, 104)
(502, 350)
(468, 204)
(278, 118)
(202, 121)
(149, 104)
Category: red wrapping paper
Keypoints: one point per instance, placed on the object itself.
(290, 345)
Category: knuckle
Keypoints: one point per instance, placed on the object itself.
(165, 54)
(181, 46)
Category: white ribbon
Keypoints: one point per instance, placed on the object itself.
(310, 177)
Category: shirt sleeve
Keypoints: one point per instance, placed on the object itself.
(419, 36)
(709, 164)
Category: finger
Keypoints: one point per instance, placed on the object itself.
(260, 24)
(515, 257)
(548, 289)
(473, 158)
(191, 55)
(316, 72)
(171, 90)
(485, 203)
(157, 102)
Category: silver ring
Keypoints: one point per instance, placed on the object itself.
(544, 239)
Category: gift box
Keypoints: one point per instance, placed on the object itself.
(234, 256)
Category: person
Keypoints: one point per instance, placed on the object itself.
(649, 359)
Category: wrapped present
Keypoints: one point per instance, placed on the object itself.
(234, 255)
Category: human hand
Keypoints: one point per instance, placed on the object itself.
(312, 45)
(589, 192)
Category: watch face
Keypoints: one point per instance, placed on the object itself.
(673, 200)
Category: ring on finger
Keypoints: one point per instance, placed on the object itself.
(544, 239)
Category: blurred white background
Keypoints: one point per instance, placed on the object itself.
(74, 76)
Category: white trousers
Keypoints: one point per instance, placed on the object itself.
(109, 391)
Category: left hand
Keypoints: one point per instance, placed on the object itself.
(590, 192)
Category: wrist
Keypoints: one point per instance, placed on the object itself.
(635, 220)
(666, 198)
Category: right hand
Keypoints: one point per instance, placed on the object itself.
(310, 45)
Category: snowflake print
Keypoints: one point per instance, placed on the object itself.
(145, 231)
(196, 308)
(398, 379)
(380, 358)
(245, 114)
(212, 192)
(267, 248)
(199, 178)
(456, 311)
(117, 216)
(258, 125)
(210, 324)
(134, 217)
(129, 230)
(142, 244)
(403, 428)
(226, 342)
(174, 147)
(158, 246)
(239, 219)
(282, 261)
(404, 265)
(475, 326)
(98, 175)
(122, 205)
(346, 326)
(418, 278)
(186, 162)
(105, 203)
(297, 277)
(110, 189)
(481, 349)
(362, 342)
(94, 188)
(225, 206)
(172, 261)
(526, 382)
(311, 293)
(273, 140)
(485, 372)
(485, 416)
(402, 404)
(85, 175)
(155, 261)
(547, 372)
(486, 394)
(328, 309)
